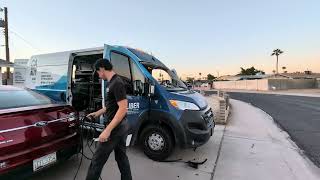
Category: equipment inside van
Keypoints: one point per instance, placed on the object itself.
(162, 111)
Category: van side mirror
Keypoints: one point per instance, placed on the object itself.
(149, 88)
(138, 87)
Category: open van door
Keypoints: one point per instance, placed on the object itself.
(82, 79)
(128, 69)
(48, 73)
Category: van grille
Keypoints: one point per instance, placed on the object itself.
(208, 116)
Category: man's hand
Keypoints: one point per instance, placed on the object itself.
(93, 114)
(104, 136)
(97, 113)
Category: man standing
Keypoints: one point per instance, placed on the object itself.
(114, 135)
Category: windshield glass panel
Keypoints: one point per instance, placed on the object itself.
(168, 79)
(162, 74)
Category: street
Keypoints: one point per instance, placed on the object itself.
(297, 115)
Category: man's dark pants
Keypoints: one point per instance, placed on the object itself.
(100, 157)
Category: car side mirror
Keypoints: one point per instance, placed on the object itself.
(138, 87)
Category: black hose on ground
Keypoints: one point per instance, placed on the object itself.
(193, 164)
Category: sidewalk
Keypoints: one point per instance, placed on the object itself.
(254, 148)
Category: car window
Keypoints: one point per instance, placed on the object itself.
(22, 98)
(121, 65)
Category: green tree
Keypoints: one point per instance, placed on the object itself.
(190, 79)
(250, 71)
(210, 77)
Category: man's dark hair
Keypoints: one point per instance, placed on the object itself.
(103, 63)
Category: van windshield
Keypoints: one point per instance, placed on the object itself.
(159, 71)
(168, 79)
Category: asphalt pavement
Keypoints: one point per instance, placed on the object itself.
(299, 116)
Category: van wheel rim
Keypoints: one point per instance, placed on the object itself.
(156, 142)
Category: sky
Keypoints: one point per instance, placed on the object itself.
(193, 37)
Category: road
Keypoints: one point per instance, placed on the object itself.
(297, 115)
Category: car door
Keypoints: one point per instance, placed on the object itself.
(129, 71)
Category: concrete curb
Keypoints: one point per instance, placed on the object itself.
(222, 101)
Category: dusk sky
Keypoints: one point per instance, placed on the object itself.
(190, 36)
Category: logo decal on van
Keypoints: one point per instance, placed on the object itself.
(134, 106)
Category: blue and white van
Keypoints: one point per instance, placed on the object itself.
(162, 111)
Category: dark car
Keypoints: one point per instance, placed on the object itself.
(35, 132)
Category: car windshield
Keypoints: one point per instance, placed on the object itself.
(22, 98)
(168, 79)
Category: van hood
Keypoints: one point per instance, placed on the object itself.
(191, 96)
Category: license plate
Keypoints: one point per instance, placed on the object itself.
(44, 161)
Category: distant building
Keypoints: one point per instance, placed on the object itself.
(243, 77)
(296, 75)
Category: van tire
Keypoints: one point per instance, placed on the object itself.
(157, 142)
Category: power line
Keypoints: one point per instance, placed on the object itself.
(23, 39)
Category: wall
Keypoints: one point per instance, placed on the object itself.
(267, 84)
(0, 76)
(318, 83)
(280, 84)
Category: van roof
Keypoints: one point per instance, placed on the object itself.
(71, 51)
(144, 57)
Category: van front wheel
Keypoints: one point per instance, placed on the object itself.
(157, 142)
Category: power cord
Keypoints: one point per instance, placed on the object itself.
(91, 128)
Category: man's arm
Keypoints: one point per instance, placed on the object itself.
(121, 113)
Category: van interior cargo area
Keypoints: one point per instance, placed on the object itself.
(86, 85)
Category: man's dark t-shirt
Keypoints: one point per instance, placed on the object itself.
(116, 92)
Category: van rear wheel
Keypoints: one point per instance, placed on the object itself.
(157, 142)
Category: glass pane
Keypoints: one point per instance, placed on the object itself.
(121, 65)
(22, 98)
(136, 73)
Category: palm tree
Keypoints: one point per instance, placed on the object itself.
(276, 52)
(284, 69)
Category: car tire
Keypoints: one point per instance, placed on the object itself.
(157, 142)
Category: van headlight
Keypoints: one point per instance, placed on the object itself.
(183, 105)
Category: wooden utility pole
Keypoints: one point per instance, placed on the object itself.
(6, 34)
